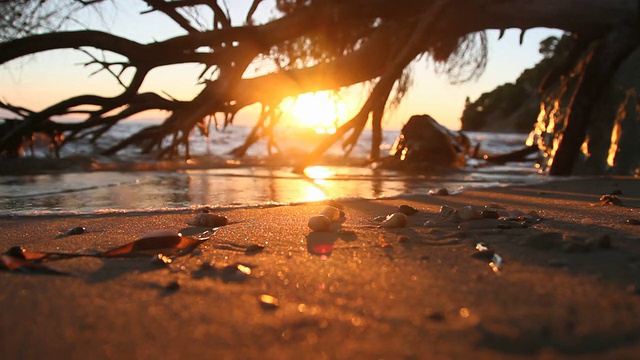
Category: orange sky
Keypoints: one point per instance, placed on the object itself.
(38, 81)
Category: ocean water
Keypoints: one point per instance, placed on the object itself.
(228, 182)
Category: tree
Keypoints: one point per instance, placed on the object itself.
(314, 45)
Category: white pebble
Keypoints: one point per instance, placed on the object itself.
(319, 223)
(332, 213)
(395, 220)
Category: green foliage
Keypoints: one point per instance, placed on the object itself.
(507, 99)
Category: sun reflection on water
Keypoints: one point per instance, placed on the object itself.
(318, 172)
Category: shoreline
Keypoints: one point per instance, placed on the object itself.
(418, 291)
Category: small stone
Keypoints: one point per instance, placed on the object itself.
(515, 213)
(610, 199)
(446, 211)
(503, 226)
(268, 302)
(161, 260)
(403, 239)
(319, 223)
(235, 273)
(430, 223)
(332, 213)
(407, 210)
(587, 221)
(469, 213)
(210, 220)
(380, 218)
(76, 230)
(253, 249)
(395, 220)
(439, 192)
(490, 214)
(534, 214)
(16, 252)
(633, 221)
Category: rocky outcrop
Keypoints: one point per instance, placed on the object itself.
(425, 145)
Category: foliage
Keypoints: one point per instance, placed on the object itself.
(522, 97)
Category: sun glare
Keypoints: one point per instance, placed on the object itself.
(319, 111)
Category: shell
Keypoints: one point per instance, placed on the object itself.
(332, 213)
(210, 220)
(319, 223)
(395, 220)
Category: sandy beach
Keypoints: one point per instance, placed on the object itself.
(565, 284)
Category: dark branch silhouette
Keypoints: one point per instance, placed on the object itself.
(315, 45)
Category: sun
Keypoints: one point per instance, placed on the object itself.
(319, 111)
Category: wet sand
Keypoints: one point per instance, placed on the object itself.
(568, 286)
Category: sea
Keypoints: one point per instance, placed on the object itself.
(255, 180)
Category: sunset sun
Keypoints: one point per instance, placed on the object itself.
(319, 111)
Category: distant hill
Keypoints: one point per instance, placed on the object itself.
(514, 107)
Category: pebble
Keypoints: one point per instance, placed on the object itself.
(395, 220)
(403, 239)
(407, 210)
(490, 214)
(319, 223)
(446, 211)
(633, 221)
(268, 302)
(439, 192)
(587, 221)
(469, 213)
(210, 220)
(610, 199)
(76, 230)
(161, 260)
(332, 213)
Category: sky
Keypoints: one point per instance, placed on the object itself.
(38, 81)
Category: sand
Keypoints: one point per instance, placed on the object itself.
(568, 287)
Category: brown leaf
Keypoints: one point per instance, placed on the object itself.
(167, 242)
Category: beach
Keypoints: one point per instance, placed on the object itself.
(565, 282)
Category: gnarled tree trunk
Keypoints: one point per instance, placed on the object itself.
(316, 45)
